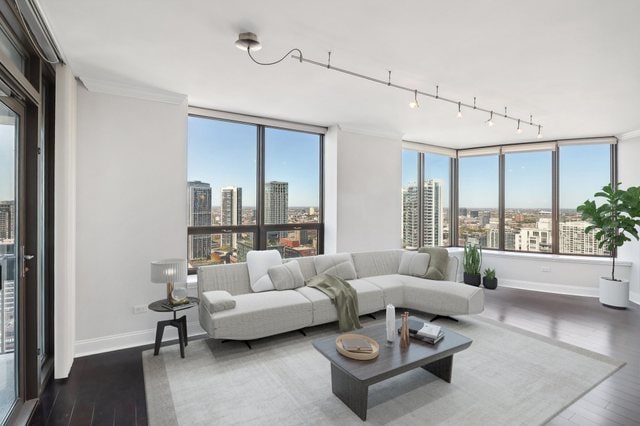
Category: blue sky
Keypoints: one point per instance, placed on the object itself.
(583, 170)
(224, 154)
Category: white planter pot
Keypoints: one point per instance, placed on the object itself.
(614, 293)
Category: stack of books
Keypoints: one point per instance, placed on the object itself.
(425, 332)
(360, 346)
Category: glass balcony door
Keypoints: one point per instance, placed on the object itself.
(11, 273)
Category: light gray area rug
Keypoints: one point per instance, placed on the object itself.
(507, 377)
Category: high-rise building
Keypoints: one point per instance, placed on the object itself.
(199, 208)
(7, 220)
(432, 227)
(231, 213)
(276, 202)
(536, 239)
(574, 240)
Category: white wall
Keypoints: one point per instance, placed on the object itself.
(131, 209)
(363, 177)
(629, 175)
(65, 222)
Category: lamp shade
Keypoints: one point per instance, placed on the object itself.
(169, 271)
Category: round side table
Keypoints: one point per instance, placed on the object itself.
(179, 323)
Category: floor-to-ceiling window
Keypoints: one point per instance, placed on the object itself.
(426, 197)
(478, 199)
(252, 186)
(519, 198)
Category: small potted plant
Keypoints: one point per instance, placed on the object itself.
(614, 221)
(489, 280)
(472, 261)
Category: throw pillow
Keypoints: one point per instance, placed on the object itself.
(438, 263)
(286, 276)
(218, 300)
(414, 263)
(258, 263)
(339, 265)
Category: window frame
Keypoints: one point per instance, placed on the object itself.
(555, 189)
(260, 229)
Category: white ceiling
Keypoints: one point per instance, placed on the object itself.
(573, 64)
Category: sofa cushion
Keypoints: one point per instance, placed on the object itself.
(382, 262)
(259, 262)
(286, 276)
(437, 264)
(370, 299)
(413, 263)
(392, 288)
(339, 265)
(442, 297)
(232, 277)
(218, 300)
(258, 315)
(307, 266)
(452, 269)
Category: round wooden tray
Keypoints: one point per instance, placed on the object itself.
(354, 355)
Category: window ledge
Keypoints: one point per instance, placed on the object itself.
(537, 257)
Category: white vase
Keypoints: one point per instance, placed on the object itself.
(614, 294)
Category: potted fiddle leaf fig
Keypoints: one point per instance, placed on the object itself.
(472, 261)
(489, 280)
(615, 221)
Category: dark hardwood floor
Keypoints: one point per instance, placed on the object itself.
(109, 388)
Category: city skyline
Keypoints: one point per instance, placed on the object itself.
(224, 154)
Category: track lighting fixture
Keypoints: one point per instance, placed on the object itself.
(249, 42)
(490, 120)
(414, 103)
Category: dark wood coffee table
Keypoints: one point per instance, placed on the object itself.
(350, 379)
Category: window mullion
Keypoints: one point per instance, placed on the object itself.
(261, 243)
(501, 206)
(421, 199)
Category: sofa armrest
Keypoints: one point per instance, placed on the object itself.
(218, 300)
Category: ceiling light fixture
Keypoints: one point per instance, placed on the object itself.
(490, 120)
(539, 132)
(249, 42)
(414, 103)
(518, 130)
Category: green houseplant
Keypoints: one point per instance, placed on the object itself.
(489, 280)
(614, 222)
(472, 261)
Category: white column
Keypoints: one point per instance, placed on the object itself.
(65, 221)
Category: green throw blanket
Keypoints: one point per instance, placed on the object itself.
(342, 295)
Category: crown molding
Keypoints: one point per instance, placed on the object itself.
(371, 132)
(131, 91)
(629, 135)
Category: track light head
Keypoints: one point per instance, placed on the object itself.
(490, 120)
(248, 41)
(414, 103)
(459, 110)
(539, 132)
(518, 130)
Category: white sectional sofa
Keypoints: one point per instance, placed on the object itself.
(378, 283)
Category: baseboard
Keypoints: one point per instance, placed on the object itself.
(131, 339)
(550, 288)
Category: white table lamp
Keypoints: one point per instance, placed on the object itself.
(169, 272)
